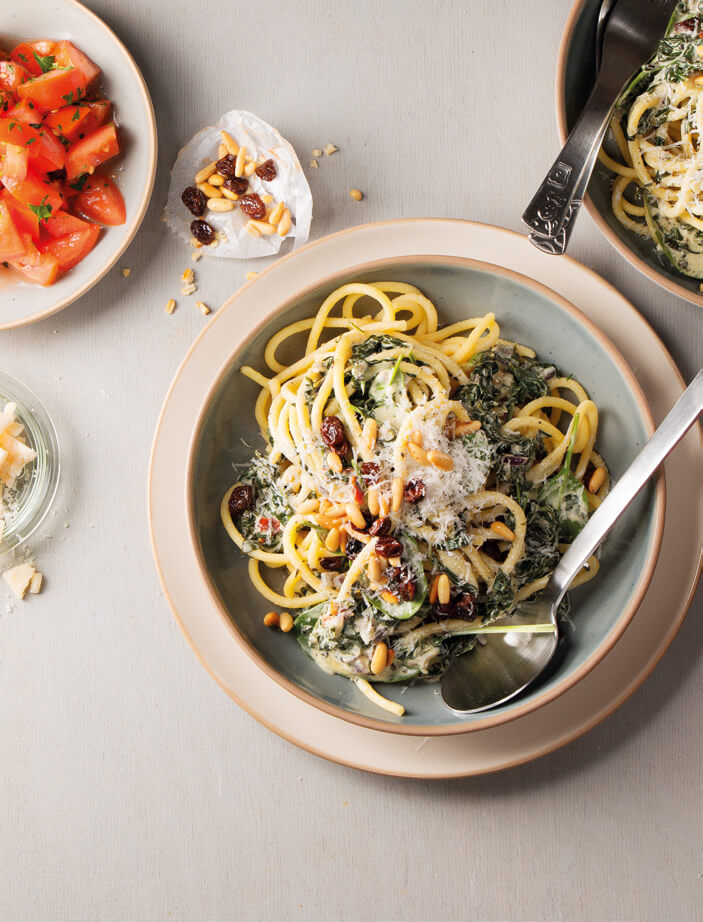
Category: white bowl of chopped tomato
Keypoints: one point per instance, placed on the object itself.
(77, 156)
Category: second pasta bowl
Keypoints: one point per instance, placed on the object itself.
(402, 527)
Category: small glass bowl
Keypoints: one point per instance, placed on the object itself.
(36, 487)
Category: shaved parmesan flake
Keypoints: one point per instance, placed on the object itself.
(18, 578)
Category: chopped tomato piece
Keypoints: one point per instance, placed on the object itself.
(11, 244)
(69, 249)
(36, 194)
(36, 266)
(72, 123)
(12, 75)
(102, 201)
(67, 55)
(62, 223)
(43, 145)
(23, 54)
(94, 149)
(14, 161)
(24, 219)
(24, 112)
(55, 88)
(268, 524)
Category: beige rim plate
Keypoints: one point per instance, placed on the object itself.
(585, 704)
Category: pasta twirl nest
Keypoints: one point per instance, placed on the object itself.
(285, 201)
(418, 482)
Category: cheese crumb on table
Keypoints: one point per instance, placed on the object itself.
(23, 577)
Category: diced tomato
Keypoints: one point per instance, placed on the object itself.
(102, 201)
(23, 54)
(24, 219)
(7, 101)
(24, 112)
(62, 223)
(70, 248)
(11, 244)
(67, 55)
(34, 192)
(97, 147)
(36, 266)
(14, 161)
(265, 524)
(12, 76)
(73, 123)
(45, 149)
(55, 88)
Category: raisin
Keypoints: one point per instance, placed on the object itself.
(241, 499)
(370, 472)
(227, 165)
(465, 604)
(332, 431)
(252, 206)
(202, 231)
(236, 184)
(414, 491)
(406, 584)
(333, 564)
(194, 200)
(387, 546)
(352, 547)
(380, 527)
(342, 449)
(266, 170)
(442, 611)
(492, 550)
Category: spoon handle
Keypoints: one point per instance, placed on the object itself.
(673, 428)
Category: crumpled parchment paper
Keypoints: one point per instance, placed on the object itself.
(290, 185)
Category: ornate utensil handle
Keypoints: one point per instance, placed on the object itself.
(551, 214)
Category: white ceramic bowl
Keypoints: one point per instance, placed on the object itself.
(22, 303)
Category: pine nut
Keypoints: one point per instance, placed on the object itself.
(203, 308)
(597, 480)
(372, 502)
(249, 168)
(439, 460)
(698, 80)
(216, 180)
(220, 204)
(332, 539)
(383, 503)
(374, 569)
(309, 505)
(467, 428)
(416, 437)
(334, 462)
(397, 488)
(285, 621)
(395, 561)
(370, 432)
(205, 172)
(277, 213)
(250, 229)
(284, 224)
(444, 590)
(232, 196)
(379, 658)
(343, 541)
(263, 227)
(389, 597)
(230, 143)
(502, 530)
(271, 619)
(417, 453)
(267, 199)
(221, 151)
(209, 190)
(239, 165)
(356, 194)
(355, 515)
(170, 306)
(434, 588)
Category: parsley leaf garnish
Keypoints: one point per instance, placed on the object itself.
(79, 183)
(46, 63)
(42, 211)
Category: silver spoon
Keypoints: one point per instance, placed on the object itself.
(504, 664)
(630, 37)
(606, 9)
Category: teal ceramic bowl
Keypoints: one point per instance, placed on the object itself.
(576, 74)
(527, 312)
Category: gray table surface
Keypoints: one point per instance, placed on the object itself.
(132, 787)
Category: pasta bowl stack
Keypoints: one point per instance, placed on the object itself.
(350, 516)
